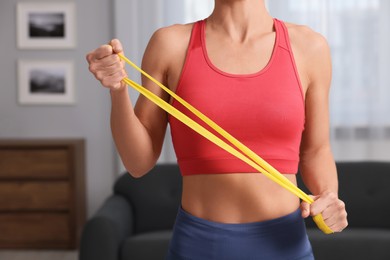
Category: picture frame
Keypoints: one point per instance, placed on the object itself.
(42, 25)
(46, 82)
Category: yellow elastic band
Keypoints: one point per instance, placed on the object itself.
(255, 161)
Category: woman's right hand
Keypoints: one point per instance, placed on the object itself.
(106, 66)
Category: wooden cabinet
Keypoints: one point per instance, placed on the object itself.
(42, 193)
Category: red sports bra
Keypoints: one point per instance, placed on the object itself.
(264, 110)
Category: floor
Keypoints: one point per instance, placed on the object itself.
(37, 255)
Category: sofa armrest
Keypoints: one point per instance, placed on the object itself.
(105, 232)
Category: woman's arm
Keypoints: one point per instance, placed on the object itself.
(317, 165)
(138, 133)
(316, 160)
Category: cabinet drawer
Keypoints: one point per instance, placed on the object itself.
(33, 163)
(34, 230)
(23, 195)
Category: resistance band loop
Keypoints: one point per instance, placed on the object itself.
(255, 161)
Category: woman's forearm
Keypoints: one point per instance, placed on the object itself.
(132, 140)
(318, 171)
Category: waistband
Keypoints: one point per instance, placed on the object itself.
(273, 225)
(282, 238)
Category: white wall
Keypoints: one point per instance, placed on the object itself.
(88, 118)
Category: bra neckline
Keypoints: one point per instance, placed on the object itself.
(236, 75)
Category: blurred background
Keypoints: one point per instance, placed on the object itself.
(357, 31)
(358, 34)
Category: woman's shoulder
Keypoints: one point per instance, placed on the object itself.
(175, 29)
(167, 48)
(306, 39)
(173, 36)
(311, 51)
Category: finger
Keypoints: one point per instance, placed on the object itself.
(101, 74)
(102, 52)
(339, 225)
(109, 61)
(114, 81)
(116, 46)
(335, 209)
(89, 57)
(322, 202)
(114, 68)
(106, 66)
(329, 217)
(305, 209)
(336, 216)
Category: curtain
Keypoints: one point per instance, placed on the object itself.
(357, 32)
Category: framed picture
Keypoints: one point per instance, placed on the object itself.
(46, 82)
(46, 25)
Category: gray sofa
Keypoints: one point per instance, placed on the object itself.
(365, 188)
(136, 221)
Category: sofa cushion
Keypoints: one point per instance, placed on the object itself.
(364, 187)
(146, 246)
(155, 198)
(356, 244)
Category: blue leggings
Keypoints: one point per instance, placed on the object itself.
(282, 238)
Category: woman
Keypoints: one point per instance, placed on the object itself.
(264, 81)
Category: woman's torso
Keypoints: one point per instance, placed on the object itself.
(237, 197)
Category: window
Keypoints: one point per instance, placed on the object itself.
(357, 32)
(195, 9)
(358, 35)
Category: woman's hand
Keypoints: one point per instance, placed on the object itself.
(332, 210)
(106, 66)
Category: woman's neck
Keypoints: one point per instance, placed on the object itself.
(240, 19)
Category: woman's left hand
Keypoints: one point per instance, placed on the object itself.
(332, 210)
